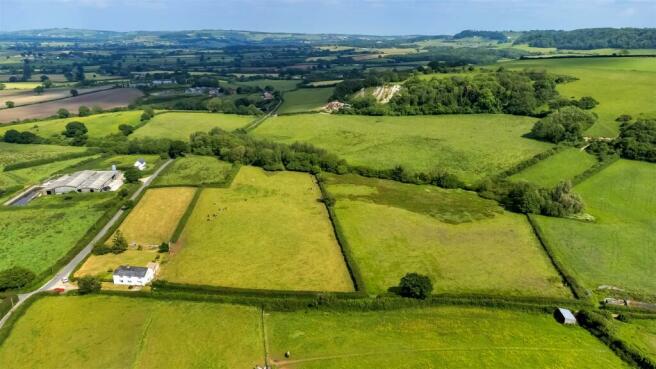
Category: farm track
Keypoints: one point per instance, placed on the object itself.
(82, 255)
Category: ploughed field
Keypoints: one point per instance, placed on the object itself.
(469, 146)
(267, 231)
(180, 125)
(24, 97)
(464, 243)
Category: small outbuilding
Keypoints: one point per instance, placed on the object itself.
(564, 316)
(140, 164)
(128, 275)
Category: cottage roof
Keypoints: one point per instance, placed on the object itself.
(130, 271)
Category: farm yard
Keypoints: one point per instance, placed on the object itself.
(463, 242)
(267, 231)
(135, 333)
(305, 99)
(562, 166)
(454, 337)
(180, 125)
(106, 99)
(195, 171)
(616, 250)
(469, 146)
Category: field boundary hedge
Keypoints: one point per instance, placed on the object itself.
(575, 287)
(345, 247)
(37, 162)
(530, 162)
(596, 168)
(598, 325)
(182, 222)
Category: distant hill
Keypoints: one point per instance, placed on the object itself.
(592, 38)
(490, 35)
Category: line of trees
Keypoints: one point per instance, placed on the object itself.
(592, 38)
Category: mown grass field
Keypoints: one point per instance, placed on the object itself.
(154, 219)
(279, 84)
(103, 265)
(267, 231)
(442, 337)
(179, 125)
(462, 242)
(89, 332)
(35, 236)
(469, 146)
(562, 166)
(619, 248)
(305, 99)
(641, 333)
(195, 171)
(621, 85)
(15, 153)
(99, 125)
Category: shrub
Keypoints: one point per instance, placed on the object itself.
(83, 111)
(88, 284)
(126, 129)
(119, 244)
(132, 175)
(63, 113)
(163, 247)
(9, 104)
(415, 286)
(15, 277)
(624, 118)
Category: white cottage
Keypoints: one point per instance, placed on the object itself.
(133, 276)
(140, 164)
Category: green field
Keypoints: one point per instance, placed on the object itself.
(463, 242)
(267, 231)
(618, 249)
(112, 332)
(15, 153)
(469, 146)
(621, 85)
(99, 125)
(281, 85)
(305, 99)
(562, 166)
(122, 162)
(641, 333)
(195, 171)
(443, 337)
(35, 236)
(179, 126)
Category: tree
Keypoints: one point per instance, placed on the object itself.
(566, 124)
(415, 286)
(147, 114)
(132, 175)
(27, 70)
(39, 89)
(177, 148)
(88, 284)
(119, 244)
(15, 277)
(9, 104)
(74, 92)
(63, 113)
(126, 129)
(163, 247)
(83, 111)
(74, 129)
(13, 136)
(587, 103)
(47, 83)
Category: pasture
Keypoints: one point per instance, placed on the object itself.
(305, 99)
(35, 236)
(195, 171)
(180, 125)
(454, 337)
(122, 162)
(621, 85)
(267, 231)
(15, 153)
(641, 333)
(559, 167)
(618, 248)
(24, 97)
(154, 219)
(469, 146)
(99, 125)
(462, 242)
(89, 332)
(281, 85)
(106, 99)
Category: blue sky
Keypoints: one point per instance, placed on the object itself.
(383, 17)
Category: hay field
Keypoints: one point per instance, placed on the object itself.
(267, 231)
(462, 242)
(440, 337)
(101, 332)
(180, 125)
(305, 99)
(195, 171)
(469, 146)
(562, 166)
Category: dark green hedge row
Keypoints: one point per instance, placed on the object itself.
(354, 270)
(185, 217)
(530, 162)
(34, 163)
(598, 167)
(577, 289)
(600, 326)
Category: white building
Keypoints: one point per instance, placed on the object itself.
(84, 181)
(565, 316)
(134, 276)
(140, 164)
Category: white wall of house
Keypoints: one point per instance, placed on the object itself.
(134, 281)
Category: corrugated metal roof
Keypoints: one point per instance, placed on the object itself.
(566, 314)
(84, 179)
(130, 271)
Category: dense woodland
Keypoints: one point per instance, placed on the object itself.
(592, 38)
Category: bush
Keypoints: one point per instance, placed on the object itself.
(132, 175)
(126, 129)
(163, 247)
(63, 113)
(119, 244)
(415, 286)
(9, 104)
(83, 111)
(15, 277)
(566, 124)
(88, 284)
(637, 141)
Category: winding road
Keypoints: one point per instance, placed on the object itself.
(66, 271)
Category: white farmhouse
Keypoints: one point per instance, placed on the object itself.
(133, 276)
(140, 164)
